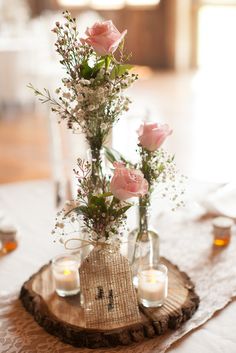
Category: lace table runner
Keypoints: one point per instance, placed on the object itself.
(187, 243)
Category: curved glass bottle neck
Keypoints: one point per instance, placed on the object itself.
(144, 213)
(97, 159)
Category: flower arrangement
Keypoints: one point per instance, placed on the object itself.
(91, 99)
(104, 215)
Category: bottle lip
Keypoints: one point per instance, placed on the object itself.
(59, 259)
(7, 228)
(222, 222)
(155, 267)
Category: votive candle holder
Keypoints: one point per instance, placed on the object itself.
(65, 270)
(153, 285)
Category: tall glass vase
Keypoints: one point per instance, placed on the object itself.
(143, 243)
(96, 157)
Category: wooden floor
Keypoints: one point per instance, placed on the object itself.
(24, 147)
(200, 109)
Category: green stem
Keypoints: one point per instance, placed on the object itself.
(144, 203)
(107, 62)
(96, 165)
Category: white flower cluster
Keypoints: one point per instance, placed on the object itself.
(92, 106)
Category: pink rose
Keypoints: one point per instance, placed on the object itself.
(104, 37)
(127, 183)
(152, 135)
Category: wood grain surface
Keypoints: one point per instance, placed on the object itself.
(64, 318)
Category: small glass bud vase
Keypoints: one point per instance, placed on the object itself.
(143, 243)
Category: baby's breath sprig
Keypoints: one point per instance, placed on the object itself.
(159, 169)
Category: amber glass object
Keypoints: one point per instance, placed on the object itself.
(8, 239)
(222, 231)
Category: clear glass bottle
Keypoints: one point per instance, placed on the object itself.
(143, 243)
(98, 165)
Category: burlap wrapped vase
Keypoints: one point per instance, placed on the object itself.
(109, 297)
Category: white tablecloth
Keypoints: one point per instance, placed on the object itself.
(30, 206)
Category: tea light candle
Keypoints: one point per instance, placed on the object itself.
(66, 275)
(153, 286)
(222, 230)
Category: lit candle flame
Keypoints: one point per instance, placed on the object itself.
(66, 272)
(152, 279)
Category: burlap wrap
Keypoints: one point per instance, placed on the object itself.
(110, 299)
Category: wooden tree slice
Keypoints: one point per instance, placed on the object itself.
(64, 318)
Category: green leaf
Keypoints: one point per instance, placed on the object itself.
(114, 73)
(122, 210)
(112, 204)
(83, 210)
(96, 201)
(86, 71)
(161, 168)
(119, 70)
(78, 210)
(114, 156)
(97, 67)
(171, 159)
(106, 194)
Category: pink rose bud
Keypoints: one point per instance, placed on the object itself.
(104, 37)
(127, 183)
(152, 135)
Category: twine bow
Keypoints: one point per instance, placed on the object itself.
(94, 243)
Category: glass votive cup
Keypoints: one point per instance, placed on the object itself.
(222, 230)
(153, 285)
(65, 270)
(8, 237)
